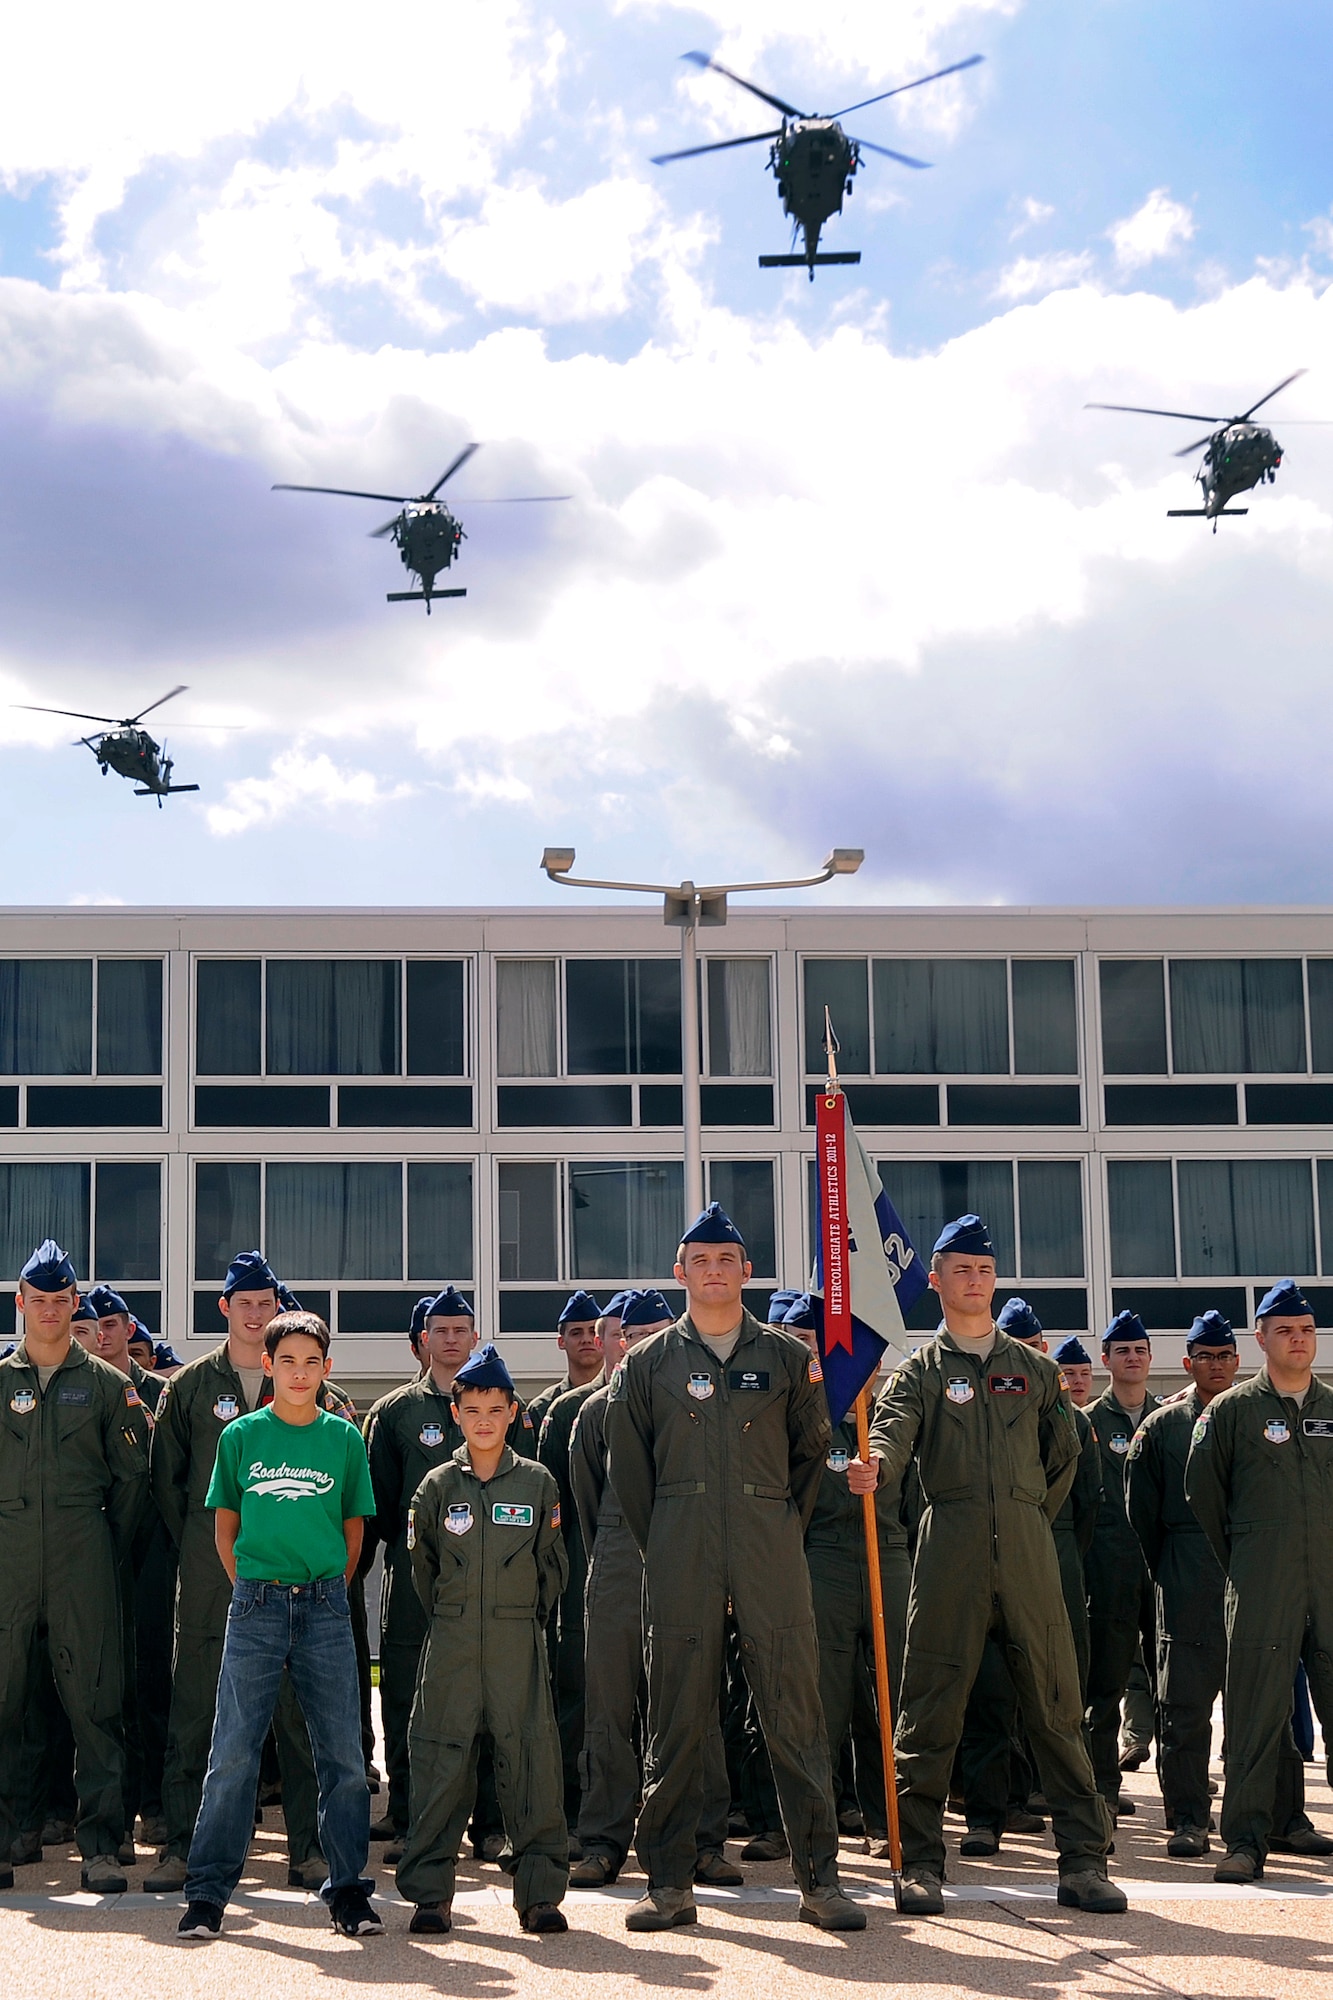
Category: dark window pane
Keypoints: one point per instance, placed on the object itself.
(226, 1214)
(1320, 974)
(1325, 1171)
(941, 1016)
(1245, 1014)
(435, 1018)
(129, 1016)
(527, 1220)
(537, 1106)
(1171, 1104)
(623, 1016)
(247, 1104)
(655, 985)
(1289, 1104)
(1133, 1017)
(840, 985)
(1050, 1209)
(1245, 1218)
(1045, 1017)
(439, 1220)
(745, 1190)
(41, 1199)
(1143, 1239)
(84, 1104)
(332, 1017)
(46, 1016)
(329, 1219)
(929, 1193)
(625, 1217)
(401, 1105)
(227, 1016)
(129, 1220)
(1014, 1103)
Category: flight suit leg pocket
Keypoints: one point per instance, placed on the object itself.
(935, 1691)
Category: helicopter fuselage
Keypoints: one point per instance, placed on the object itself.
(1238, 457)
(813, 162)
(130, 753)
(428, 539)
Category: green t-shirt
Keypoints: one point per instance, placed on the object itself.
(293, 1486)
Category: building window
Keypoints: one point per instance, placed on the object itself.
(56, 1012)
(943, 1016)
(624, 1218)
(1034, 1209)
(737, 1017)
(333, 1017)
(329, 1221)
(1231, 1218)
(111, 1208)
(745, 1190)
(1225, 1016)
(527, 1025)
(528, 1221)
(622, 1016)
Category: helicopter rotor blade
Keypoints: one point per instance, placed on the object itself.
(462, 459)
(347, 493)
(719, 146)
(903, 159)
(968, 62)
(703, 61)
(1272, 392)
(515, 499)
(77, 714)
(385, 527)
(1137, 410)
(1190, 449)
(171, 696)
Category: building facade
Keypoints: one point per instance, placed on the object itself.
(1139, 1101)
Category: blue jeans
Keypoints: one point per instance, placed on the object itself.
(306, 1628)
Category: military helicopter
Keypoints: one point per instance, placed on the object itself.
(427, 535)
(1235, 458)
(126, 749)
(813, 159)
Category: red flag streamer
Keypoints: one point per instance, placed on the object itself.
(831, 1152)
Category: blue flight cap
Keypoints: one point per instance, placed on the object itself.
(1017, 1318)
(1125, 1326)
(48, 1269)
(579, 1306)
(287, 1299)
(645, 1309)
(1285, 1299)
(966, 1236)
(84, 1310)
(104, 1302)
(713, 1226)
(138, 1331)
(449, 1304)
(1072, 1353)
(615, 1305)
(484, 1370)
(781, 1304)
(1210, 1329)
(249, 1271)
(418, 1322)
(800, 1316)
(165, 1356)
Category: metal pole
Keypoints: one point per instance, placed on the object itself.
(691, 1106)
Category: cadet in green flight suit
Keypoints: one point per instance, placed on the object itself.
(718, 1430)
(1122, 1614)
(73, 1488)
(996, 1450)
(408, 1433)
(489, 1566)
(198, 1404)
(1076, 1522)
(1259, 1478)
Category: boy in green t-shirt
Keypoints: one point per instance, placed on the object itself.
(290, 1492)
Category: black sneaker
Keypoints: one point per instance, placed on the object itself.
(352, 1914)
(430, 1920)
(201, 1920)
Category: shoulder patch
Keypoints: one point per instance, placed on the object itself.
(527, 1421)
(555, 1515)
(1135, 1446)
(132, 1396)
(813, 1369)
(412, 1527)
(616, 1391)
(1199, 1435)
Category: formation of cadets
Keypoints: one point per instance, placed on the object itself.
(633, 1615)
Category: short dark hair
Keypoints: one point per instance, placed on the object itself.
(457, 1389)
(310, 1325)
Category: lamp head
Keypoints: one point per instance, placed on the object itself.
(557, 860)
(845, 860)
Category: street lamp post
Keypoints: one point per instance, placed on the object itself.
(688, 908)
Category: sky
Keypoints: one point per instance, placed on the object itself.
(844, 563)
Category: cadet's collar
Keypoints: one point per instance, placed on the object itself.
(747, 1327)
(75, 1356)
(946, 1339)
(508, 1458)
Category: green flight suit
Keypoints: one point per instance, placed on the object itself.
(565, 1633)
(409, 1432)
(1122, 1613)
(196, 1406)
(996, 1451)
(1259, 1479)
(835, 1550)
(717, 1465)
(488, 1563)
(73, 1490)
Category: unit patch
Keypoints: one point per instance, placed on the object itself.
(838, 1460)
(23, 1402)
(1276, 1430)
(700, 1387)
(132, 1396)
(79, 1398)
(432, 1434)
(1007, 1385)
(458, 1520)
(1119, 1444)
(1318, 1427)
(1199, 1435)
(959, 1389)
(226, 1408)
(506, 1514)
(748, 1378)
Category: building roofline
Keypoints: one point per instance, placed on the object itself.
(631, 905)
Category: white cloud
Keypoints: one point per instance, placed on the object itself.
(560, 260)
(299, 783)
(1029, 275)
(95, 900)
(1158, 229)
(1031, 214)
